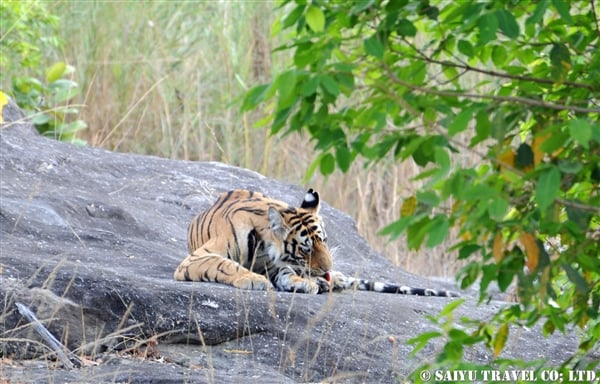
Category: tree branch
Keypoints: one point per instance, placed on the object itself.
(507, 75)
(69, 361)
(507, 99)
(503, 75)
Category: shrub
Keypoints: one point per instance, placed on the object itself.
(517, 85)
(29, 31)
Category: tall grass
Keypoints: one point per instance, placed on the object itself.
(163, 78)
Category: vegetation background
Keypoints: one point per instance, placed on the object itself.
(362, 78)
(166, 79)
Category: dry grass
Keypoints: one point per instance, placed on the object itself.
(163, 79)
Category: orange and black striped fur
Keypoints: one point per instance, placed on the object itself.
(253, 242)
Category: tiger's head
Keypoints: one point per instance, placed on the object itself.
(306, 250)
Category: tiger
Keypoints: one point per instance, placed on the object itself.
(253, 242)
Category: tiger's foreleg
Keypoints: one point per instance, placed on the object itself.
(201, 266)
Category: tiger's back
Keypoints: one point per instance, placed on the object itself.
(239, 222)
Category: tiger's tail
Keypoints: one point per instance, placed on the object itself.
(342, 282)
(375, 286)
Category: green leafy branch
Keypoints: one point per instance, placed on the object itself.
(28, 31)
(365, 83)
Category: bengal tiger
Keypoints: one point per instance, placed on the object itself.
(250, 241)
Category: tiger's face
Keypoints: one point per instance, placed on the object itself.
(306, 249)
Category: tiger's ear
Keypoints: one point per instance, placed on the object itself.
(311, 201)
(277, 224)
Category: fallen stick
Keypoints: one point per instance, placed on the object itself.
(68, 361)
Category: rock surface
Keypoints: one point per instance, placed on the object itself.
(90, 240)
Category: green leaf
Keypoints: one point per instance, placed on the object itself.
(330, 85)
(374, 47)
(538, 13)
(562, 7)
(438, 231)
(280, 118)
(469, 273)
(465, 48)
(286, 83)
(41, 119)
(310, 86)
(507, 23)
(467, 250)
(415, 233)
(498, 209)
(315, 19)
(406, 28)
(396, 228)
(596, 132)
(441, 157)
(580, 217)
(581, 131)
(428, 10)
(451, 74)
(460, 121)
(429, 198)
(488, 274)
(343, 157)
(581, 285)
(424, 337)
(71, 128)
(560, 57)
(524, 156)
(499, 55)
(477, 191)
(450, 307)
(55, 72)
(421, 341)
(505, 278)
(293, 16)
(500, 339)
(547, 188)
(64, 89)
(305, 55)
(345, 81)
(327, 165)
(483, 127)
(254, 97)
(555, 142)
(360, 6)
(488, 25)
(423, 154)
(571, 167)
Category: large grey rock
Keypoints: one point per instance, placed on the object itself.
(90, 240)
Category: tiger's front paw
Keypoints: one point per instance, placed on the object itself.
(252, 281)
(323, 284)
(339, 281)
(301, 285)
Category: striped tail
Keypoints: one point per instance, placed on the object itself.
(375, 286)
(342, 282)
